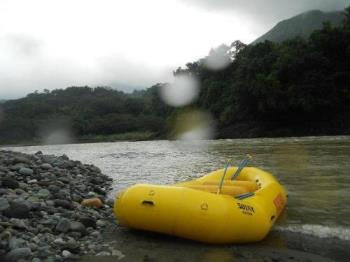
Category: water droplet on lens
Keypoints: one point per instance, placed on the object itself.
(181, 92)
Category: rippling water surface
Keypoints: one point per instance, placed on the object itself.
(315, 171)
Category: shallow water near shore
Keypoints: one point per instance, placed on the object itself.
(315, 171)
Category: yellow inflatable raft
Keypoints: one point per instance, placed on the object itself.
(244, 210)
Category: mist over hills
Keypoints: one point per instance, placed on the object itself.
(296, 87)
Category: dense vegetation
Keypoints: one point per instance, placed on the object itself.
(87, 113)
(297, 87)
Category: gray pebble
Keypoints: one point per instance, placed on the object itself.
(63, 225)
(10, 183)
(66, 253)
(78, 227)
(17, 210)
(26, 171)
(103, 253)
(43, 193)
(59, 241)
(16, 243)
(18, 254)
(63, 203)
(46, 166)
(4, 204)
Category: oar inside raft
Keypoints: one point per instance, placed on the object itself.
(241, 165)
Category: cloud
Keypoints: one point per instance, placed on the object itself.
(124, 44)
(268, 11)
(23, 45)
(26, 65)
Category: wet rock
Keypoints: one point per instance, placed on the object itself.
(110, 202)
(17, 166)
(63, 225)
(64, 180)
(3, 191)
(43, 193)
(21, 159)
(23, 186)
(18, 254)
(17, 210)
(59, 241)
(78, 227)
(46, 166)
(10, 183)
(103, 253)
(92, 202)
(21, 192)
(77, 198)
(96, 234)
(100, 223)
(18, 223)
(62, 194)
(96, 180)
(118, 253)
(44, 251)
(16, 243)
(88, 222)
(63, 203)
(33, 199)
(26, 171)
(53, 188)
(66, 254)
(4, 204)
(81, 188)
(73, 246)
(99, 191)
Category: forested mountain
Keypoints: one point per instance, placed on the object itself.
(293, 88)
(297, 87)
(301, 25)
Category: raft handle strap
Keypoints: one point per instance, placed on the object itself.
(147, 202)
(244, 196)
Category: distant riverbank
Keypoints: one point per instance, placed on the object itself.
(249, 129)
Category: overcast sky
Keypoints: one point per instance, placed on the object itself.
(48, 44)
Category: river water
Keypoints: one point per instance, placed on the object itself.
(314, 170)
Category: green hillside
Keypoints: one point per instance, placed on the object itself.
(301, 25)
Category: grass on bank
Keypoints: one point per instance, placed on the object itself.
(129, 136)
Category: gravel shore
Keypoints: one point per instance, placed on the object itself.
(42, 213)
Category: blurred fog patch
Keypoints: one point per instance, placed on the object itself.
(291, 157)
(181, 92)
(58, 137)
(218, 58)
(193, 124)
(58, 132)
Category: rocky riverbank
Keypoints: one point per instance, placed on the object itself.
(46, 212)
